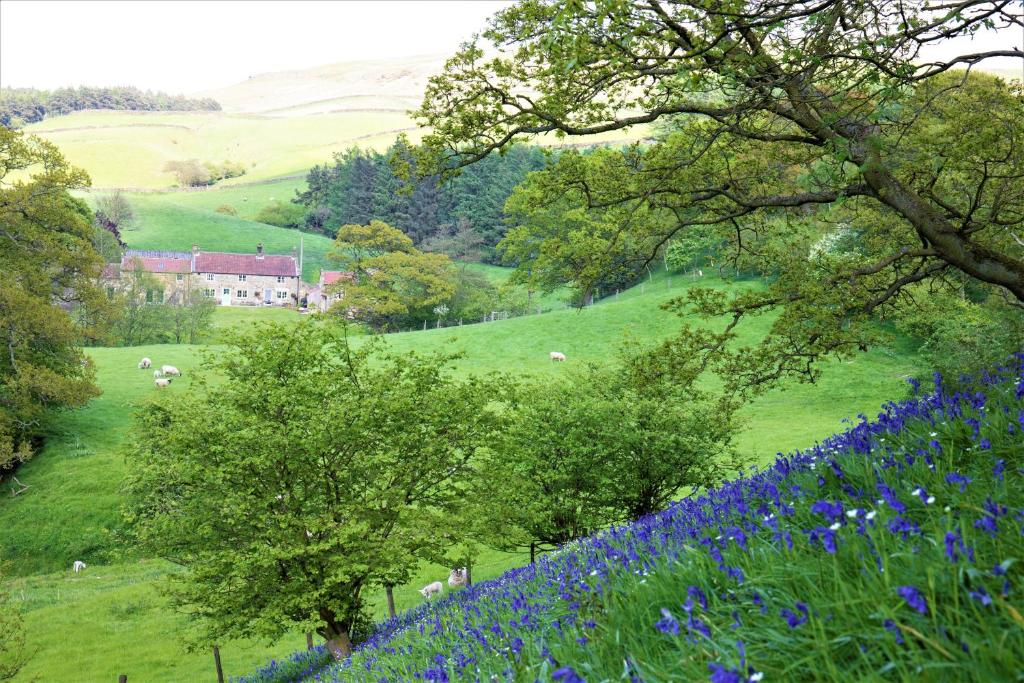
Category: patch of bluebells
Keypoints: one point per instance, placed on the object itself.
(875, 506)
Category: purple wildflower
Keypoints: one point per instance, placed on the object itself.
(914, 598)
(667, 623)
(567, 675)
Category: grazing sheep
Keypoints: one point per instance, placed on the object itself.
(78, 566)
(556, 355)
(157, 374)
(431, 589)
(170, 370)
(145, 363)
(457, 577)
(160, 383)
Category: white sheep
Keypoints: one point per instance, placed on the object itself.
(557, 355)
(145, 363)
(170, 370)
(157, 374)
(457, 577)
(78, 566)
(160, 383)
(431, 589)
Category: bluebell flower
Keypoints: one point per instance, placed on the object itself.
(957, 478)
(719, 674)
(914, 598)
(667, 623)
(981, 595)
(891, 626)
(567, 675)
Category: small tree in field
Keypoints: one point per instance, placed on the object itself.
(13, 654)
(310, 474)
(610, 445)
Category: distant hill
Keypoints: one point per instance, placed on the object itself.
(379, 85)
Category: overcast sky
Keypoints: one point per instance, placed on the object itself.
(191, 46)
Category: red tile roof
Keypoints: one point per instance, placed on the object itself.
(157, 264)
(244, 264)
(328, 277)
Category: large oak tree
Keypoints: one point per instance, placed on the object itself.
(775, 119)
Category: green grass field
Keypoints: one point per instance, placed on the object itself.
(119, 621)
(129, 149)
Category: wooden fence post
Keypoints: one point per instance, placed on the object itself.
(309, 640)
(532, 553)
(390, 591)
(123, 678)
(216, 661)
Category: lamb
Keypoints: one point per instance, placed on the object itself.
(157, 374)
(457, 577)
(431, 589)
(78, 566)
(160, 383)
(170, 370)
(556, 355)
(145, 363)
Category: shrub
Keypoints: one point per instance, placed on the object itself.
(227, 210)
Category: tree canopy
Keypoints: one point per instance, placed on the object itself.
(307, 474)
(783, 125)
(48, 269)
(392, 283)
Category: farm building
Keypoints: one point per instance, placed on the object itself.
(230, 279)
(322, 296)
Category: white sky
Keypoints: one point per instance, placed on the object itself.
(183, 47)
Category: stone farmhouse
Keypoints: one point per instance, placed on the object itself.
(257, 279)
(321, 299)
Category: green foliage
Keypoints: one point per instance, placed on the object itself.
(227, 210)
(610, 445)
(282, 215)
(13, 652)
(363, 185)
(395, 284)
(960, 336)
(46, 258)
(781, 127)
(313, 472)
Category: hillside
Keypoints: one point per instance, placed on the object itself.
(374, 85)
(72, 510)
(884, 553)
(275, 125)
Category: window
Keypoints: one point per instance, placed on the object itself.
(180, 277)
(227, 290)
(280, 278)
(242, 294)
(241, 278)
(282, 294)
(209, 277)
(154, 296)
(210, 293)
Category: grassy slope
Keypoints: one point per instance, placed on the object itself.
(165, 224)
(72, 509)
(125, 149)
(130, 150)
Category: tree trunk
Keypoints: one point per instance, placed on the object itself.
(390, 591)
(339, 645)
(532, 552)
(469, 573)
(309, 640)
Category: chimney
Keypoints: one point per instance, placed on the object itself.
(195, 248)
(259, 250)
